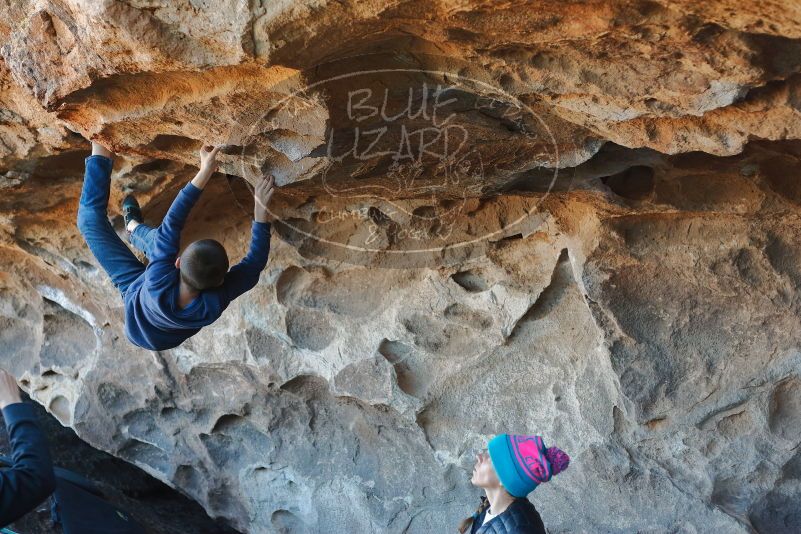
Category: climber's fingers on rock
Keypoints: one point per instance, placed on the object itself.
(210, 150)
(264, 189)
(266, 183)
(267, 196)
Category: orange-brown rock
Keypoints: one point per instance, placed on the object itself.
(576, 219)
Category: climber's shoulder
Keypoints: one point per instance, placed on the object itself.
(521, 517)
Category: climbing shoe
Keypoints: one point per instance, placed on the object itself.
(131, 211)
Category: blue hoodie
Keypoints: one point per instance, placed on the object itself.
(153, 319)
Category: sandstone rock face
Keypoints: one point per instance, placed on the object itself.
(581, 220)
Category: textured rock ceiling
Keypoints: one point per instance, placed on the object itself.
(600, 243)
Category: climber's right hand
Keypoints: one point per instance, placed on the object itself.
(262, 195)
(208, 165)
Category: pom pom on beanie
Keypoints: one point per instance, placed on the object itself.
(558, 459)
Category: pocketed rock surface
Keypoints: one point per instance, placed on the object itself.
(581, 220)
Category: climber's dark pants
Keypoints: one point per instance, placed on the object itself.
(113, 255)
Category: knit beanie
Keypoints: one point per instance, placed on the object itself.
(523, 463)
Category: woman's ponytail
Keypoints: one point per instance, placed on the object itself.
(468, 521)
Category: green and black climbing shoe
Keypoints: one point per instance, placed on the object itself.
(131, 211)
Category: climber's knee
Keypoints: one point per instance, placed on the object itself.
(86, 220)
(82, 220)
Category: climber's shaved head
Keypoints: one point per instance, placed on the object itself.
(204, 264)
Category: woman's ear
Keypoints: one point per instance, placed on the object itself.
(178, 262)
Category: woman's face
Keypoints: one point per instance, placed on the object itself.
(484, 475)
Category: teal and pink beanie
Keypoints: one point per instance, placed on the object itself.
(523, 463)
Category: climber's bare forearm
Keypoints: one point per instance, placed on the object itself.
(100, 150)
(260, 215)
(202, 177)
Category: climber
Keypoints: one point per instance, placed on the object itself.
(30, 478)
(511, 468)
(176, 295)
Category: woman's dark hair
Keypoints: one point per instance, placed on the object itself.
(204, 264)
(466, 523)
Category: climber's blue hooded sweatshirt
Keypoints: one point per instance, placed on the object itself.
(153, 319)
